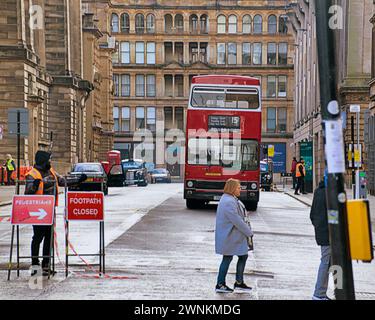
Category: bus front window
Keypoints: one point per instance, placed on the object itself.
(236, 154)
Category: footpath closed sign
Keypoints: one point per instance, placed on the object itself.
(86, 206)
(34, 210)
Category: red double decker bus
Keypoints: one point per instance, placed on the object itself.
(223, 135)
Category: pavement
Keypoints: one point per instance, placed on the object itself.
(308, 198)
(169, 252)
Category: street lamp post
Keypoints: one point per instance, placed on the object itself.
(334, 155)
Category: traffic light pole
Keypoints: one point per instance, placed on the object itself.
(334, 155)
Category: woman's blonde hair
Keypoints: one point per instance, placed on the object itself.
(231, 186)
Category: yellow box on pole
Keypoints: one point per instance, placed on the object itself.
(359, 226)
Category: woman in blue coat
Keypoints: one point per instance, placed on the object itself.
(231, 236)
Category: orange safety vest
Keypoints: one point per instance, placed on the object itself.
(37, 175)
(298, 173)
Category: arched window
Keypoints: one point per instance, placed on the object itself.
(114, 23)
(221, 24)
(204, 23)
(272, 24)
(168, 23)
(193, 23)
(232, 24)
(179, 23)
(283, 29)
(246, 24)
(139, 23)
(258, 24)
(125, 24)
(150, 23)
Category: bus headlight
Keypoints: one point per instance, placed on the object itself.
(190, 184)
(253, 186)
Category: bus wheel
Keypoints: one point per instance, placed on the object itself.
(251, 205)
(194, 204)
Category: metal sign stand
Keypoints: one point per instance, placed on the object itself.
(51, 257)
(101, 253)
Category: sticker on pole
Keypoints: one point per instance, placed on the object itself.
(85, 206)
(334, 147)
(33, 209)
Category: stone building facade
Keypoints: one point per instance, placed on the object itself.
(42, 70)
(352, 40)
(161, 45)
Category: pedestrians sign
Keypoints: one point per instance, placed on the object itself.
(85, 206)
(35, 210)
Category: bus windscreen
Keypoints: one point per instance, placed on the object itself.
(228, 98)
(236, 154)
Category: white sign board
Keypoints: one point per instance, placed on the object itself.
(354, 108)
(1, 132)
(334, 148)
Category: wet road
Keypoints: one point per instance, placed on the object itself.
(169, 250)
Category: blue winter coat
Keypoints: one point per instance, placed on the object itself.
(231, 230)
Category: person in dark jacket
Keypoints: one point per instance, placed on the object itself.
(43, 180)
(293, 171)
(319, 219)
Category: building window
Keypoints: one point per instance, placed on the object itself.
(272, 24)
(151, 119)
(151, 85)
(221, 24)
(125, 119)
(257, 53)
(246, 24)
(281, 119)
(140, 85)
(168, 85)
(232, 53)
(116, 119)
(125, 85)
(258, 24)
(140, 118)
(246, 53)
(125, 52)
(221, 53)
(140, 52)
(125, 24)
(150, 23)
(114, 23)
(283, 29)
(271, 86)
(179, 118)
(115, 54)
(179, 85)
(168, 23)
(193, 23)
(283, 53)
(204, 24)
(116, 84)
(179, 23)
(151, 53)
(139, 23)
(232, 24)
(271, 119)
(271, 54)
(282, 86)
(168, 118)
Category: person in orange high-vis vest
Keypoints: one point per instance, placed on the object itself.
(42, 179)
(300, 175)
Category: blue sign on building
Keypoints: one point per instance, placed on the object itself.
(279, 159)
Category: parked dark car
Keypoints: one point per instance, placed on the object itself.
(266, 175)
(96, 177)
(160, 175)
(135, 172)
